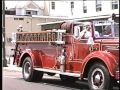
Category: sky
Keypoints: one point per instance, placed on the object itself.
(12, 4)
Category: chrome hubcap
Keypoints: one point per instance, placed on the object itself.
(27, 69)
(97, 78)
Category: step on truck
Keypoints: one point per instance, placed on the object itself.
(61, 51)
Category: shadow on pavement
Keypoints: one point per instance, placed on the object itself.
(69, 85)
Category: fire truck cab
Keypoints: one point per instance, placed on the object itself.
(61, 51)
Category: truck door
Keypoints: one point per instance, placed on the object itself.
(81, 49)
(78, 49)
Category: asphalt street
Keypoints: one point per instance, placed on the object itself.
(13, 81)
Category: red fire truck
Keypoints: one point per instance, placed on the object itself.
(60, 51)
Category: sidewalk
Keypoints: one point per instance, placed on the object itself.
(14, 68)
(11, 67)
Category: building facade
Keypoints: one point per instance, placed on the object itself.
(28, 8)
(25, 16)
(83, 9)
(29, 14)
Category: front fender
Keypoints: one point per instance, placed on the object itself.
(106, 57)
(34, 55)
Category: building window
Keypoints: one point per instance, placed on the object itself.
(53, 5)
(15, 18)
(84, 7)
(28, 12)
(98, 5)
(34, 12)
(114, 4)
(7, 12)
(21, 18)
(72, 5)
(18, 18)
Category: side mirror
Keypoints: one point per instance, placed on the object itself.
(90, 41)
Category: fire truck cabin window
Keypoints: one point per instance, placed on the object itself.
(105, 31)
(116, 28)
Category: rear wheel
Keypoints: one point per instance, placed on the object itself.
(99, 78)
(69, 79)
(29, 74)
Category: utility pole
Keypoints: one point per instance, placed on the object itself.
(31, 20)
(3, 35)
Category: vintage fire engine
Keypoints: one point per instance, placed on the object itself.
(59, 51)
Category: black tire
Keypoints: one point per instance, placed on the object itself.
(68, 79)
(29, 74)
(99, 78)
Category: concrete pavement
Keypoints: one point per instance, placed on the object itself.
(10, 66)
(14, 68)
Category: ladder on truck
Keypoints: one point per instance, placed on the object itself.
(55, 36)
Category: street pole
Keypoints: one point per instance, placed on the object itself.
(3, 32)
(31, 21)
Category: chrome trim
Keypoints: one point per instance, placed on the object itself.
(58, 72)
(118, 82)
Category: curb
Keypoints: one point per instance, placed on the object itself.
(10, 66)
(12, 70)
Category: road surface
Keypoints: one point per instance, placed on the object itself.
(13, 81)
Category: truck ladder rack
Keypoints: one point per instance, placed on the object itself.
(40, 37)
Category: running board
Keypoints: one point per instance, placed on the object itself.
(58, 72)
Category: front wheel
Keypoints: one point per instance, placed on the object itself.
(99, 78)
(29, 74)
